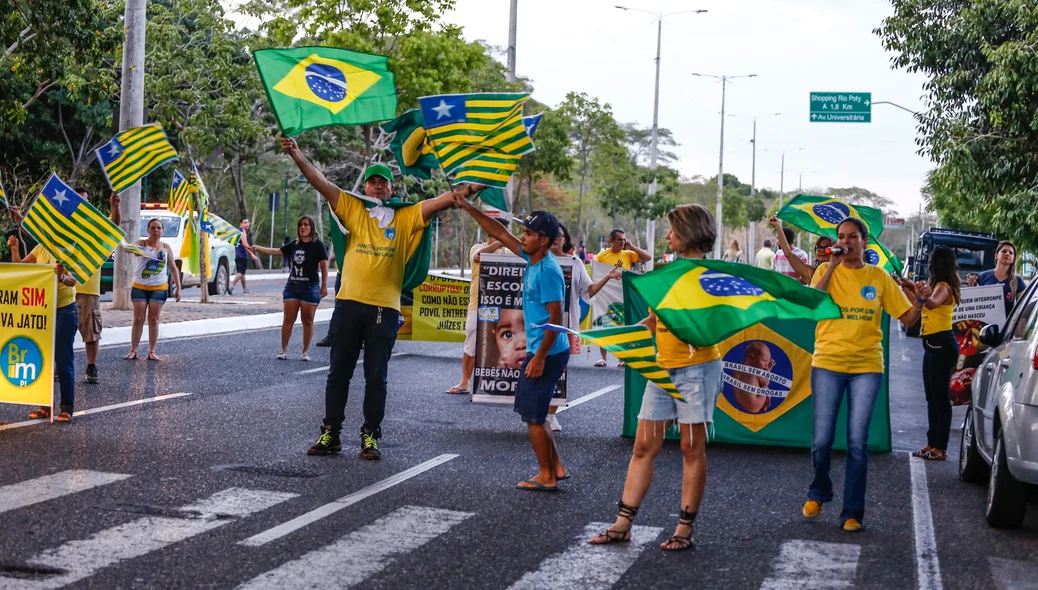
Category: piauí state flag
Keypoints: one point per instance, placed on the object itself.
(705, 301)
(312, 87)
(179, 193)
(71, 229)
(822, 215)
(494, 196)
(133, 154)
(634, 345)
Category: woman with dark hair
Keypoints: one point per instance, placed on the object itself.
(304, 288)
(1003, 274)
(803, 269)
(151, 287)
(940, 351)
(849, 357)
(697, 374)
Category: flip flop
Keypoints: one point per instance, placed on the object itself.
(538, 487)
(564, 477)
(600, 363)
(458, 390)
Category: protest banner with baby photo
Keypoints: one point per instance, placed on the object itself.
(501, 331)
(977, 307)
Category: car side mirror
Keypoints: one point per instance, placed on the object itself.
(990, 335)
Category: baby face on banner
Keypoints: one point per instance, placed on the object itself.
(510, 335)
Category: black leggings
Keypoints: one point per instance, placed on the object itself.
(940, 353)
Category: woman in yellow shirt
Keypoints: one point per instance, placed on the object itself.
(940, 351)
(697, 375)
(849, 356)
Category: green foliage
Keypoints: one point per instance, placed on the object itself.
(551, 158)
(981, 126)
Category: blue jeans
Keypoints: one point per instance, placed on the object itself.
(827, 389)
(65, 326)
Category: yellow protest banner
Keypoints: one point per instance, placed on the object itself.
(436, 310)
(27, 296)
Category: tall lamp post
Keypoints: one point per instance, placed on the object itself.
(752, 245)
(650, 224)
(720, 164)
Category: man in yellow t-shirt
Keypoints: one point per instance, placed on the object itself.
(367, 306)
(88, 302)
(468, 355)
(623, 254)
(65, 321)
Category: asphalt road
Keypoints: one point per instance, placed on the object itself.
(214, 489)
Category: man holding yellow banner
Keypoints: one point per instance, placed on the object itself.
(27, 316)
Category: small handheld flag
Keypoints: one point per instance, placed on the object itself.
(223, 230)
(636, 347)
(822, 215)
(133, 154)
(71, 229)
(312, 87)
(178, 194)
(136, 250)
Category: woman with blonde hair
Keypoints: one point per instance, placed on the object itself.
(733, 253)
(696, 372)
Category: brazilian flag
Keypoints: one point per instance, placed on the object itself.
(822, 215)
(312, 87)
(878, 255)
(413, 153)
(705, 301)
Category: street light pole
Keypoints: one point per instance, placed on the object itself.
(510, 77)
(650, 224)
(720, 160)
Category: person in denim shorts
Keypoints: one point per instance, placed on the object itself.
(307, 282)
(697, 375)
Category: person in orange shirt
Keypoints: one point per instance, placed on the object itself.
(623, 254)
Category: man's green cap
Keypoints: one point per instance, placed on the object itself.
(378, 170)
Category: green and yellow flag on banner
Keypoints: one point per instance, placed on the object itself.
(705, 301)
(71, 229)
(821, 215)
(133, 154)
(312, 87)
(478, 138)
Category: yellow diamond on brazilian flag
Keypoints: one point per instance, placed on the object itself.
(705, 301)
(312, 87)
(822, 215)
(764, 376)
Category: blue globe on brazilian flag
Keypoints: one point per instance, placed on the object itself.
(312, 87)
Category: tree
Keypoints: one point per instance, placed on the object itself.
(860, 196)
(591, 124)
(551, 158)
(980, 127)
(639, 142)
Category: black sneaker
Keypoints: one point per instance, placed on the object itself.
(91, 374)
(325, 342)
(327, 444)
(369, 447)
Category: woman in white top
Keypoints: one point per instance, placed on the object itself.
(581, 288)
(150, 287)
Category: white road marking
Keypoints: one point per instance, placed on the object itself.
(320, 512)
(363, 553)
(326, 367)
(583, 566)
(1012, 574)
(136, 402)
(588, 397)
(49, 487)
(928, 570)
(83, 558)
(813, 565)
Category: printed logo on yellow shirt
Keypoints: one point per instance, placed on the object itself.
(390, 233)
(868, 292)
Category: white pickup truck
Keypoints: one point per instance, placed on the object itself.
(221, 253)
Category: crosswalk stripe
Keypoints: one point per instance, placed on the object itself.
(1012, 574)
(320, 512)
(49, 487)
(814, 565)
(585, 566)
(83, 558)
(363, 553)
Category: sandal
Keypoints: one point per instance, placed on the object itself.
(683, 543)
(922, 451)
(38, 414)
(131, 356)
(600, 363)
(610, 536)
(153, 357)
(934, 455)
(63, 417)
(459, 390)
(621, 364)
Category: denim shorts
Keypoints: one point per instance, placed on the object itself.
(533, 396)
(699, 384)
(304, 292)
(148, 296)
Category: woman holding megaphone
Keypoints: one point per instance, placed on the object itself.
(848, 357)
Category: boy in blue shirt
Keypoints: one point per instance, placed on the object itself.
(544, 290)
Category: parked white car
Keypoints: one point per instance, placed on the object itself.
(1000, 431)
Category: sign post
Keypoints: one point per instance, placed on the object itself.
(274, 203)
(841, 107)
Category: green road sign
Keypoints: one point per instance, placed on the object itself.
(841, 107)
